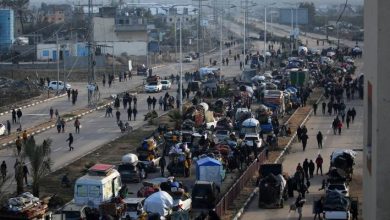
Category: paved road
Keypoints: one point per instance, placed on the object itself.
(350, 139)
(96, 129)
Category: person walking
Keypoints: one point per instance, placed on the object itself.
(3, 169)
(348, 120)
(63, 123)
(304, 138)
(8, 124)
(319, 139)
(70, 140)
(56, 113)
(68, 93)
(162, 164)
(353, 114)
(161, 102)
(58, 125)
(323, 107)
(305, 166)
(149, 102)
(51, 113)
(319, 162)
(77, 125)
(299, 205)
(135, 113)
(19, 114)
(129, 113)
(13, 116)
(311, 168)
(135, 101)
(154, 101)
(299, 133)
(118, 115)
(24, 136)
(315, 105)
(25, 173)
(339, 126)
(18, 144)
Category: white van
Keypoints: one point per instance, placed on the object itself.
(102, 183)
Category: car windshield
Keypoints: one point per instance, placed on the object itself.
(222, 132)
(251, 139)
(200, 192)
(164, 82)
(132, 207)
(153, 84)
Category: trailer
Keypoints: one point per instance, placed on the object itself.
(272, 186)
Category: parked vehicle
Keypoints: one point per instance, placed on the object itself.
(187, 59)
(272, 186)
(204, 195)
(58, 85)
(166, 84)
(251, 139)
(2, 129)
(134, 208)
(153, 87)
(142, 70)
(336, 206)
(339, 187)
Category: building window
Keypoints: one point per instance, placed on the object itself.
(45, 53)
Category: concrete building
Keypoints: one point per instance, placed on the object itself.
(48, 52)
(124, 33)
(6, 29)
(376, 113)
(56, 13)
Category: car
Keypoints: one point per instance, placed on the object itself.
(222, 135)
(204, 195)
(153, 87)
(339, 187)
(58, 85)
(134, 208)
(166, 84)
(187, 59)
(2, 129)
(249, 139)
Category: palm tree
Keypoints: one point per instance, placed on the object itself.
(39, 157)
(176, 117)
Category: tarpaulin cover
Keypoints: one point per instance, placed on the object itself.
(159, 202)
(270, 188)
(335, 201)
(343, 159)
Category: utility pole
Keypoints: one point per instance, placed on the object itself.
(58, 62)
(197, 41)
(181, 73)
(220, 44)
(245, 20)
(265, 37)
(91, 53)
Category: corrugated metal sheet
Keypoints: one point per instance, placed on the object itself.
(6, 29)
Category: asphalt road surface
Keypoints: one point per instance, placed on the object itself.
(97, 130)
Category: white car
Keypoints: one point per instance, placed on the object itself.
(54, 85)
(222, 135)
(153, 87)
(339, 187)
(2, 129)
(187, 59)
(166, 84)
(253, 138)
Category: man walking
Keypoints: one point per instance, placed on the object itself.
(3, 170)
(319, 139)
(304, 138)
(77, 125)
(19, 114)
(129, 112)
(154, 101)
(315, 105)
(8, 127)
(162, 164)
(118, 115)
(25, 173)
(149, 102)
(18, 144)
(319, 162)
(311, 168)
(51, 113)
(305, 166)
(70, 140)
(135, 113)
(13, 116)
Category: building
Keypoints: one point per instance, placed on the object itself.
(124, 34)
(48, 52)
(376, 166)
(56, 13)
(6, 29)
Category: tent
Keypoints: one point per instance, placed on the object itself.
(209, 169)
(159, 202)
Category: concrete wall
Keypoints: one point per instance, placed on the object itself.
(376, 168)
(131, 48)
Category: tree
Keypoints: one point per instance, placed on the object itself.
(39, 157)
(311, 10)
(176, 117)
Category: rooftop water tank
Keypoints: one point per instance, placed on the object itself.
(6, 29)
